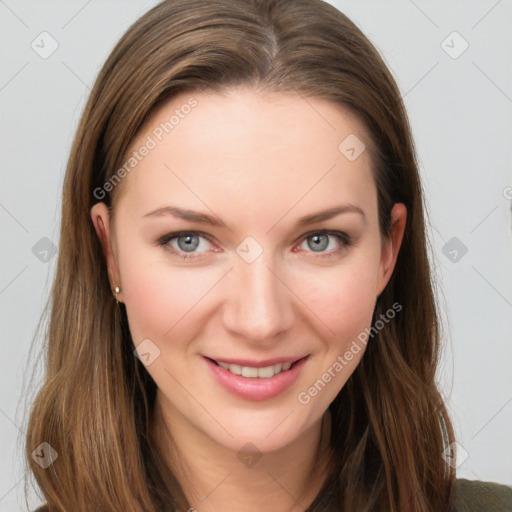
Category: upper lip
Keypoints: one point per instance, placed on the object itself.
(258, 364)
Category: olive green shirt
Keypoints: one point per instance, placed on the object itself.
(476, 496)
(471, 496)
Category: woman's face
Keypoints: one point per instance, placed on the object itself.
(246, 240)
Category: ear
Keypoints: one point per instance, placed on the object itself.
(100, 216)
(391, 246)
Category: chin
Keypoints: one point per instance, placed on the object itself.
(264, 433)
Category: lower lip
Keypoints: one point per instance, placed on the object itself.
(255, 388)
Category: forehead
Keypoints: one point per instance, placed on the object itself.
(241, 147)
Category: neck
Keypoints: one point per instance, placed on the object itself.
(215, 478)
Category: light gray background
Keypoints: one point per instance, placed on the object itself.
(460, 111)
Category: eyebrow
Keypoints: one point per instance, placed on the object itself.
(330, 213)
(183, 213)
(203, 218)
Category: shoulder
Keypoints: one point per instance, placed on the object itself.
(477, 496)
(471, 496)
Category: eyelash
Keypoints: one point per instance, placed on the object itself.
(165, 240)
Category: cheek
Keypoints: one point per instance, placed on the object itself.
(342, 298)
(161, 300)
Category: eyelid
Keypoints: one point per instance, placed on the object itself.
(343, 239)
(333, 232)
(177, 234)
(164, 242)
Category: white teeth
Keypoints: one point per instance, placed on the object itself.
(249, 371)
(234, 368)
(265, 373)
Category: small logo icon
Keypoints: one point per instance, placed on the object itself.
(454, 249)
(44, 250)
(249, 250)
(146, 351)
(45, 455)
(455, 455)
(351, 147)
(249, 455)
(454, 45)
(44, 45)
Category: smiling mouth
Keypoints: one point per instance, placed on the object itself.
(265, 372)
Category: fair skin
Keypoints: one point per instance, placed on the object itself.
(257, 164)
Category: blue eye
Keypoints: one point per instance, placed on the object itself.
(318, 242)
(326, 242)
(185, 243)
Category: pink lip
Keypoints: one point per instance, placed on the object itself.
(255, 388)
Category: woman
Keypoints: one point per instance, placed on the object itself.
(242, 314)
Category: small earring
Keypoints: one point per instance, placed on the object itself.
(116, 291)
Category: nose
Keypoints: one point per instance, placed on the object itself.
(259, 307)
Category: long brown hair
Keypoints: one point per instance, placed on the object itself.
(95, 407)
